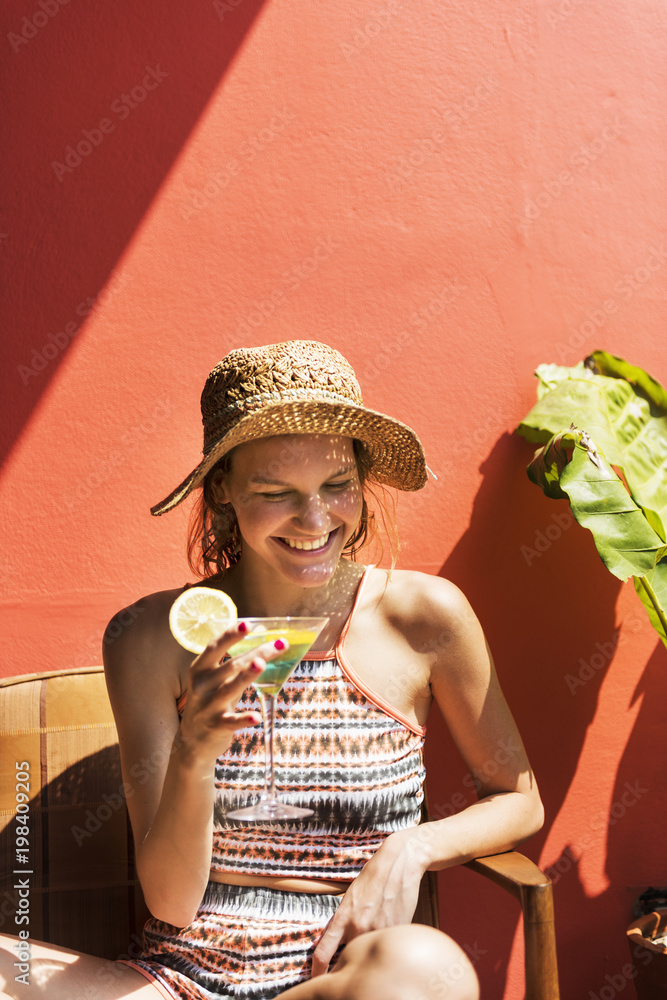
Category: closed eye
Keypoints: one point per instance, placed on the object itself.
(340, 486)
(328, 486)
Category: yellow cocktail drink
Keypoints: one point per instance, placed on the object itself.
(279, 669)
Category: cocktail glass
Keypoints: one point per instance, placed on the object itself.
(300, 634)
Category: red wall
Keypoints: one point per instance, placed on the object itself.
(450, 193)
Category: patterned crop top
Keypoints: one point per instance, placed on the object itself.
(339, 750)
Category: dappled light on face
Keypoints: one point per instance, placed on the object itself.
(272, 461)
(296, 503)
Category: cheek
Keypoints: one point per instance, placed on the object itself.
(252, 516)
(349, 507)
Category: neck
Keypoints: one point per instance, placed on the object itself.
(260, 595)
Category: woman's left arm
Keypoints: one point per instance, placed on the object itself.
(465, 686)
(463, 681)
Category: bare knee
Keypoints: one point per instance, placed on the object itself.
(411, 962)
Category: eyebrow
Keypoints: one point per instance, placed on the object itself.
(260, 480)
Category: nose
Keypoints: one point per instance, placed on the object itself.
(313, 515)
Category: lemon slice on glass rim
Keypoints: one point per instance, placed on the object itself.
(200, 615)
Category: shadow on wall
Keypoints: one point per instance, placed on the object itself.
(530, 580)
(633, 827)
(106, 97)
(640, 783)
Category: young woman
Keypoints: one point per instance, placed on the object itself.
(320, 908)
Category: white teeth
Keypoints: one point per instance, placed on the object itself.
(317, 544)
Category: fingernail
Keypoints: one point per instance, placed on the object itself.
(256, 667)
(280, 644)
(242, 627)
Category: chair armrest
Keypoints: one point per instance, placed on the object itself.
(523, 879)
(532, 888)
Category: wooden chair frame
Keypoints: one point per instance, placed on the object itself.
(533, 891)
(84, 890)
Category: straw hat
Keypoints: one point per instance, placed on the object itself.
(297, 387)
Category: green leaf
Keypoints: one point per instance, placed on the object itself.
(551, 375)
(623, 409)
(547, 466)
(611, 364)
(652, 590)
(624, 539)
(626, 542)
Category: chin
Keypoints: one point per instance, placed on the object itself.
(316, 575)
(313, 576)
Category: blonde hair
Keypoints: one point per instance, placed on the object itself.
(214, 539)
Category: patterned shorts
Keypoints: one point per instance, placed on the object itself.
(245, 942)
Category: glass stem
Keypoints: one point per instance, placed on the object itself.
(268, 703)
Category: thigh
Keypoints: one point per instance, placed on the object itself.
(61, 974)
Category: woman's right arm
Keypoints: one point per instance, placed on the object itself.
(169, 769)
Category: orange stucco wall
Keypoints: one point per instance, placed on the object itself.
(450, 193)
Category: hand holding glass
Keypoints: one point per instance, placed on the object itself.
(300, 633)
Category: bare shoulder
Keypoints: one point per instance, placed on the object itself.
(144, 667)
(438, 622)
(424, 604)
(139, 646)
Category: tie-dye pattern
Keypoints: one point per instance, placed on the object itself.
(336, 752)
(247, 943)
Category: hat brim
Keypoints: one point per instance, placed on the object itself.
(396, 452)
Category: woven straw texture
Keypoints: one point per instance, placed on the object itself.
(84, 892)
(246, 379)
(297, 387)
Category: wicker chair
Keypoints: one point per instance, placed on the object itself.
(59, 756)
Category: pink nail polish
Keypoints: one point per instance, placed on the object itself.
(280, 644)
(242, 627)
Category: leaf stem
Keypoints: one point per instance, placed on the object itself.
(654, 601)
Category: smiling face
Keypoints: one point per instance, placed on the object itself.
(297, 499)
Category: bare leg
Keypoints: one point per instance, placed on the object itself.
(410, 962)
(60, 974)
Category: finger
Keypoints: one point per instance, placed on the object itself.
(239, 720)
(243, 663)
(244, 668)
(268, 651)
(326, 949)
(208, 670)
(216, 649)
(232, 687)
(227, 682)
(235, 683)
